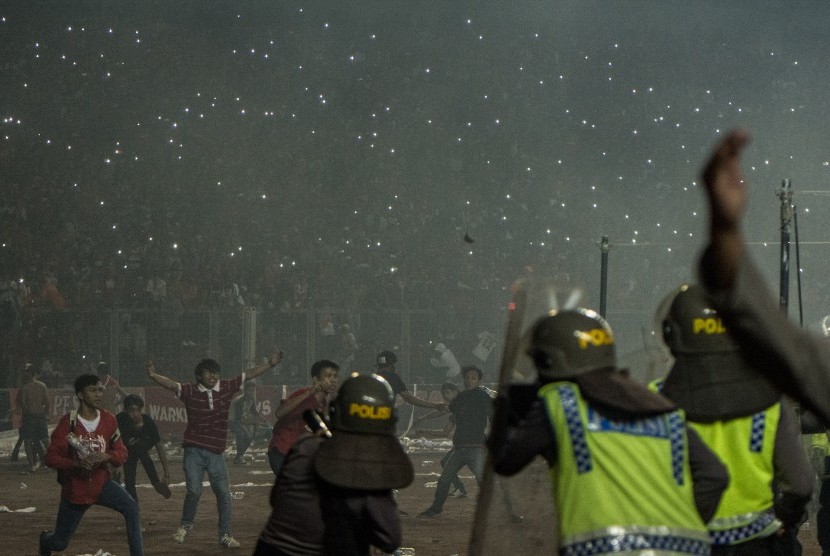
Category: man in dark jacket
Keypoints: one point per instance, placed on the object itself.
(140, 435)
(470, 412)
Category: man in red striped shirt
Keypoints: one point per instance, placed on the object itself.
(207, 403)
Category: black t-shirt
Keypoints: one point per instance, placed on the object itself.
(394, 380)
(134, 437)
(471, 410)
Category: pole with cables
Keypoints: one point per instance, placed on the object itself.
(604, 247)
(785, 195)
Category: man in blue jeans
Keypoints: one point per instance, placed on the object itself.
(82, 445)
(470, 411)
(207, 403)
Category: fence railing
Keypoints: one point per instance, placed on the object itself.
(63, 344)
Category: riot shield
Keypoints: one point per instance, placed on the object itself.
(496, 528)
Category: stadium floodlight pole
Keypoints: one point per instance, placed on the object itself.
(785, 194)
(604, 247)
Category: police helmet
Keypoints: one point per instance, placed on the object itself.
(570, 343)
(364, 404)
(363, 452)
(692, 325)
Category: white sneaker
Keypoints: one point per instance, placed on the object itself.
(180, 535)
(229, 542)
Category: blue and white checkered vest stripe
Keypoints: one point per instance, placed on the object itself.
(757, 524)
(628, 542)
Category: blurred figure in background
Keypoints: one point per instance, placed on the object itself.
(386, 361)
(113, 393)
(244, 420)
(32, 403)
(348, 347)
(444, 360)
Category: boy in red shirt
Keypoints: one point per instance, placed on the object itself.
(290, 424)
(82, 445)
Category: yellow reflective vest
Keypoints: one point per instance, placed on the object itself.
(621, 485)
(746, 446)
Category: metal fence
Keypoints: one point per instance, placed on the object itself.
(65, 343)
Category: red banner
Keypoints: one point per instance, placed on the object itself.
(169, 413)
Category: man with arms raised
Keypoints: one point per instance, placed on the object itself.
(207, 403)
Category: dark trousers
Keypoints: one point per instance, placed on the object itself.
(823, 516)
(112, 496)
(131, 466)
(774, 545)
(456, 480)
(243, 439)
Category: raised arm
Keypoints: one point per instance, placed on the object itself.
(272, 361)
(414, 400)
(428, 416)
(726, 192)
(795, 361)
(290, 404)
(120, 390)
(446, 432)
(161, 380)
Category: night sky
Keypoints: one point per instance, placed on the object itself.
(359, 141)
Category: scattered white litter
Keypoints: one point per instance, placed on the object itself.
(23, 485)
(30, 509)
(101, 552)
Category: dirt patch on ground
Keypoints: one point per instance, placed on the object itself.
(444, 535)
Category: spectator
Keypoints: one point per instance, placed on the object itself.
(470, 412)
(245, 419)
(446, 361)
(82, 444)
(290, 424)
(33, 405)
(386, 369)
(449, 391)
(348, 347)
(113, 393)
(140, 433)
(207, 404)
